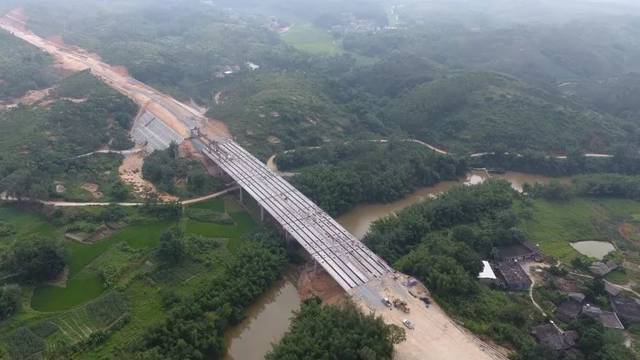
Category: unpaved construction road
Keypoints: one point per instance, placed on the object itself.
(172, 112)
(435, 335)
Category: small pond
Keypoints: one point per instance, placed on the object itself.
(594, 249)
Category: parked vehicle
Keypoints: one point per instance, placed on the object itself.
(408, 324)
(386, 302)
(401, 305)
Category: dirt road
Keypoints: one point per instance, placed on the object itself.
(177, 115)
(435, 336)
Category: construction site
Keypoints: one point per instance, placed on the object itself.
(363, 275)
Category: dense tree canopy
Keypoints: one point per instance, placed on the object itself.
(23, 67)
(395, 236)
(9, 300)
(38, 259)
(167, 168)
(196, 324)
(341, 176)
(336, 332)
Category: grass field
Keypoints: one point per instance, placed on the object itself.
(25, 224)
(308, 38)
(554, 225)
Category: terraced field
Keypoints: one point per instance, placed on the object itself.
(116, 286)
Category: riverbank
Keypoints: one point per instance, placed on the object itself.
(247, 340)
(359, 219)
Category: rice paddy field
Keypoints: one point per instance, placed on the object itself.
(116, 284)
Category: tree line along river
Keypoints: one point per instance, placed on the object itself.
(268, 318)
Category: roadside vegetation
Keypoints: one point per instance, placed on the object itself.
(177, 175)
(623, 160)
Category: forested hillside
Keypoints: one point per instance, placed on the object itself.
(40, 142)
(479, 111)
(23, 67)
(544, 54)
(428, 79)
(615, 95)
(182, 49)
(282, 110)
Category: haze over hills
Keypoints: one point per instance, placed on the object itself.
(184, 55)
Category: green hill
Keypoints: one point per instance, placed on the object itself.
(542, 54)
(481, 111)
(617, 95)
(276, 111)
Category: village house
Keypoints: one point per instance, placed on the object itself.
(577, 296)
(568, 310)
(610, 289)
(514, 277)
(608, 319)
(550, 336)
(519, 252)
(487, 275)
(628, 309)
(601, 269)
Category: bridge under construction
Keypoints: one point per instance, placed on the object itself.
(365, 276)
(343, 256)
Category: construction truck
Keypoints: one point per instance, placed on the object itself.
(401, 305)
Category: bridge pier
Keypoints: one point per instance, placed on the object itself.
(261, 213)
(241, 196)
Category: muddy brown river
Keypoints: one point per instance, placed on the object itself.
(269, 317)
(358, 220)
(266, 322)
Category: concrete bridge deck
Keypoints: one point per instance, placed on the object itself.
(343, 256)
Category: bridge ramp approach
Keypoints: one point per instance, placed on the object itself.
(343, 256)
